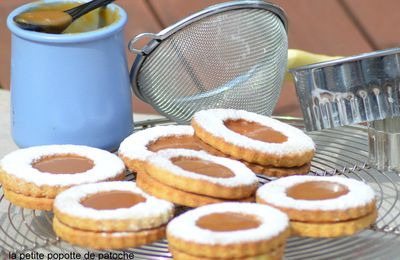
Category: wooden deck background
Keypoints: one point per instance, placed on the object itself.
(333, 27)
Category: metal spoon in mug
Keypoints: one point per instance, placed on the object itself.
(55, 21)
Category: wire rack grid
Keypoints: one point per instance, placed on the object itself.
(342, 151)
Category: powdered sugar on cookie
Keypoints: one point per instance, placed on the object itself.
(212, 121)
(242, 174)
(19, 164)
(69, 202)
(135, 145)
(272, 223)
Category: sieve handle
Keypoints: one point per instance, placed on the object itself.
(154, 42)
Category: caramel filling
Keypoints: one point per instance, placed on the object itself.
(255, 131)
(202, 167)
(176, 142)
(45, 17)
(228, 221)
(317, 190)
(112, 200)
(93, 20)
(63, 164)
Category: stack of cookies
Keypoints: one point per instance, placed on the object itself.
(265, 145)
(173, 164)
(195, 178)
(228, 231)
(321, 206)
(110, 215)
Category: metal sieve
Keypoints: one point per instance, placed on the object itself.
(230, 55)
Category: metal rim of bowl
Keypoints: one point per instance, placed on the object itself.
(340, 61)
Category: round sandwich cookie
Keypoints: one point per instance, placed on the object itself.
(253, 138)
(137, 147)
(321, 206)
(32, 177)
(229, 230)
(180, 197)
(110, 215)
(204, 178)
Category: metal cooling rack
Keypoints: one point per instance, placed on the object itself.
(341, 151)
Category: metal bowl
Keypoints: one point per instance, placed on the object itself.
(350, 90)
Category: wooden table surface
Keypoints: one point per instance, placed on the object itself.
(333, 27)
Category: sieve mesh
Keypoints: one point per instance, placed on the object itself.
(232, 59)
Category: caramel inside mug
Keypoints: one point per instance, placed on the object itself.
(96, 19)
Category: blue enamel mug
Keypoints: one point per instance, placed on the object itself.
(70, 88)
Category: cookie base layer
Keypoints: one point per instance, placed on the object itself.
(278, 171)
(250, 155)
(21, 186)
(328, 230)
(162, 191)
(276, 254)
(105, 240)
(231, 251)
(27, 201)
(133, 165)
(272, 171)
